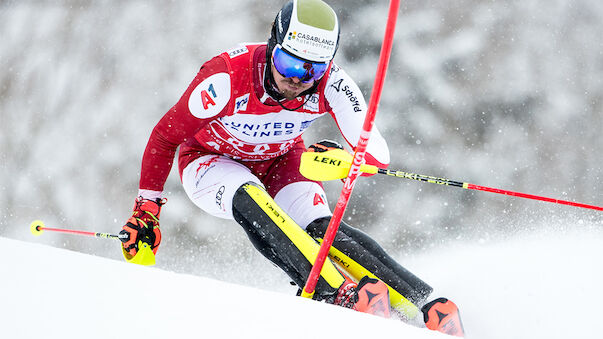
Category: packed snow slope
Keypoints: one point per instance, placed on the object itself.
(55, 293)
(539, 285)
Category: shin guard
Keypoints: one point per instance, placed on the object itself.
(360, 255)
(281, 240)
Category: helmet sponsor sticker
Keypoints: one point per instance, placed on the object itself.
(210, 97)
(310, 42)
(313, 40)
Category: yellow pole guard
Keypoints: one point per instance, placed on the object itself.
(330, 165)
(144, 256)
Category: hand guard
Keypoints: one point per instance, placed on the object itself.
(324, 145)
(142, 226)
(330, 145)
(327, 145)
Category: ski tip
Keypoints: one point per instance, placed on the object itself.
(36, 227)
(144, 256)
(443, 315)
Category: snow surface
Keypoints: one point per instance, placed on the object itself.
(544, 285)
(56, 293)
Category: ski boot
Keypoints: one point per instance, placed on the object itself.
(443, 315)
(368, 296)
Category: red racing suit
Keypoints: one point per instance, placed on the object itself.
(226, 111)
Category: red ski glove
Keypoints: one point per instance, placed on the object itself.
(324, 145)
(142, 226)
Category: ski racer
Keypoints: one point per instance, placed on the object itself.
(238, 127)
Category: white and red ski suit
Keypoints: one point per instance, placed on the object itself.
(230, 132)
(232, 135)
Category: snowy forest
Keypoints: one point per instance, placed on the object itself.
(499, 93)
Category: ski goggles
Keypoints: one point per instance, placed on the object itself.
(289, 66)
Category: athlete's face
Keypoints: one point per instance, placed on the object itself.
(290, 88)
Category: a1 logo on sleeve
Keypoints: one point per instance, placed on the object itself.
(210, 97)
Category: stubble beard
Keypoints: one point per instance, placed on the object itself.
(289, 93)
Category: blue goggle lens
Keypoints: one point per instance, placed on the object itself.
(290, 66)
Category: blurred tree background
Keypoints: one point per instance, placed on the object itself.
(500, 93)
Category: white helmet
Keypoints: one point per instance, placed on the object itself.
(308, 29)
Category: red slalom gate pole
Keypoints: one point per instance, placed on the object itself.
(348, 186)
